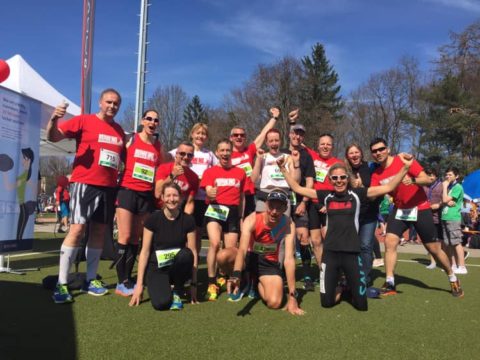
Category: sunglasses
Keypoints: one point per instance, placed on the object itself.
(149, 118)
(183, 154)
(338, 177)
(380, 149)
(238, 135)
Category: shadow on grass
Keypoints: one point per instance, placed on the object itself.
(401, 279)
(248, 307)
(32, 325)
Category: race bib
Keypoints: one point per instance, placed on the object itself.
(264, 249)
(143, 172)
(247, 167)
(109, 159)
(320, 174)
(407, 214)
(219, 212)
(277, 174)
(293, 199)
(166, 257)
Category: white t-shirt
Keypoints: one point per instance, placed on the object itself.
(271, 176)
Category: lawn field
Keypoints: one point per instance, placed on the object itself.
(422, 322)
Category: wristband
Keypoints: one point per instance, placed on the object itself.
(236, 274)
(414, 181)
(171, 176)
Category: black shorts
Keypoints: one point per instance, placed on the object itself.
(316, 220)
(438, 232)
(301, 221)
(91, 202)
(424, 225)
(137, 202)
(257, 265)
(199, 212)
(232, 224)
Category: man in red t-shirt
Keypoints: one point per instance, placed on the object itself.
(100, 148)
(411, 207)
(322, 161)
(179, 172)
(243, 156)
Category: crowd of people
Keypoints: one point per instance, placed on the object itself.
(258, 207)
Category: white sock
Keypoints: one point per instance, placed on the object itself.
(452, 277)
(93, 259)
(68, 255)
(390, 279)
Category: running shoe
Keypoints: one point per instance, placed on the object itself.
(431, 266)
(124, 289)
(94, 287)
(61, 295)
(212, 292)
(221, 282)
(456, 289)
(253, 293)
(403, 242)
(388, 289)
(462, 270)
(308, 284)
(378, 263)
(176, 302)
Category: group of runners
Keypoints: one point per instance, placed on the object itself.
(255, 205)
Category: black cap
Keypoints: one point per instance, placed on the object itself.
(278, 195)
(297, 127)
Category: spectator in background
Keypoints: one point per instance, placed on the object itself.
(434, 195)
(62, 202)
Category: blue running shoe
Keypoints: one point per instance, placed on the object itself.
(253, 293)
(95, 288)
(61, 295)
(124, 289)
(176, 302)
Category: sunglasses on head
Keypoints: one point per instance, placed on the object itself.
(380, 149)
(238, 135)
(183, 154)
(149, 118)
(338, 177)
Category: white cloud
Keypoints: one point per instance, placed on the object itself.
(468, 5)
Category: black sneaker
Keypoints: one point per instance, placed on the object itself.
(456, 289)
(308, 284)
(388, 289)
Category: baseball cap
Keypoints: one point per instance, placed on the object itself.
(278, 195)
(297, 127)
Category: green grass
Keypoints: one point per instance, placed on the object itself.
(423, 322)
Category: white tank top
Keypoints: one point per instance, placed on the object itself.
(271, 176)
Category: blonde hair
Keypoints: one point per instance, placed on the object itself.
(197, 127)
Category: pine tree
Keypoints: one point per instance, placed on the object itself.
(193, 113)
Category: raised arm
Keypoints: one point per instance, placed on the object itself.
(54, 134)
(375, 191)
(294, 185)
(275, 113)
(257, 167)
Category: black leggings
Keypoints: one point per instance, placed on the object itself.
(159, 281)
(333, 264)
(22, 220)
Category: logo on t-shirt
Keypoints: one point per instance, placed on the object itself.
(109, 139)
(227, 182)
(339, 205)
(386, 180)
(142, 154)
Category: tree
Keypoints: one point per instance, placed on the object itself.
(193, 113)
(320, 99)
(170, 102)
(51, 167)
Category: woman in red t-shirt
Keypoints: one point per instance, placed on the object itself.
(135, 199)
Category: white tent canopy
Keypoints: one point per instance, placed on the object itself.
(24, 80)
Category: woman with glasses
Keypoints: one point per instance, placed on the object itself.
(342, 245)
(135, 197)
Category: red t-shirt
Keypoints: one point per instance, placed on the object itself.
(244, 160)
(140, 164)
(100, 146)
(62, 194)
(321, 180)
(230, 183)
(188, 181)
(404, 196)
(266, 235)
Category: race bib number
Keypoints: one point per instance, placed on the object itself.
(109, 159)
(264, 249)
(166, 257)
(219, 212)
(277, 174)
(143, 172)
(320, 174)
(247, 167)
(293, 199)
(407, 214)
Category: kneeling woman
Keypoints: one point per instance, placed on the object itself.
(342, 245)
(168, 255)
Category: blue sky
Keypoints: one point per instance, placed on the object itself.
(209, 47)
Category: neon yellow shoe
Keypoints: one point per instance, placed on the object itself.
(221, 282)
(212, 292)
